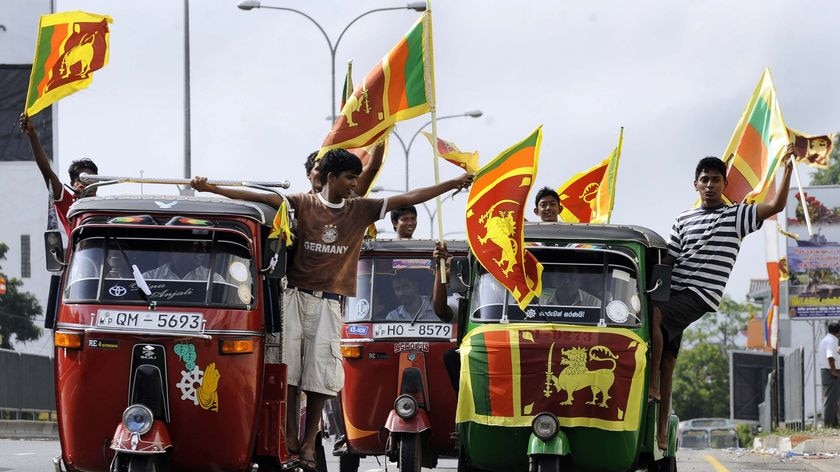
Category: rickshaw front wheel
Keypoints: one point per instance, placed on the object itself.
(545, 463)
(348, 463)
(411, 455)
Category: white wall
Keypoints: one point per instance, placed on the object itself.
(20, 20)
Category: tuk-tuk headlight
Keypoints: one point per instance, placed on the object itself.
(405, 406)
(545, 426)
(137, 419)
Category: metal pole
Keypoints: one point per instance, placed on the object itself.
(187, 190)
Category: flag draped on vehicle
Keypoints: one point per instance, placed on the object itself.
(449, 151)
(495, 216)
(756, 147)
(70, 46)
(586, 376)
(280, 226)
(602, 204)
(398, 88)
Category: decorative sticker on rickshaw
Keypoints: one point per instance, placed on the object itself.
(362, 309)
(196, 385)
(586, 376)
(411, 346)
(244, 292)
(411, 264)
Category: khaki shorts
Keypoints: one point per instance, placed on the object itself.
(311, 348)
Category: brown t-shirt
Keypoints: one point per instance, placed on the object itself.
(328, 240)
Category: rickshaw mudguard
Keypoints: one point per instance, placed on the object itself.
(557, 446)
(154, 441)
(419, 423)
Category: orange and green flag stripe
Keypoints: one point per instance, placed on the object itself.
(56, 70)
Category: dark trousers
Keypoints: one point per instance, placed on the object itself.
(831, 398)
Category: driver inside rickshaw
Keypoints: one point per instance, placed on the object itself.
(413, 305)
(566, 288)
(184, 264)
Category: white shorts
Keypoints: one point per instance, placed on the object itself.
(311, 346)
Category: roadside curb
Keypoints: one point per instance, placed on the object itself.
(24, 429)
(821, 453)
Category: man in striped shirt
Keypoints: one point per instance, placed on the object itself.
(702, 249)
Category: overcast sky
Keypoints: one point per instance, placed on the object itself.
(675, 74)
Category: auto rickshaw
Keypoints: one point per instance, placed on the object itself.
(562, 384)
(398, 399)
(165, 311)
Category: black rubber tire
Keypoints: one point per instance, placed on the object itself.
(546, 462)
(348, 463)
(411, 455)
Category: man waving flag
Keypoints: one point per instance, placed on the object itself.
(496, 213)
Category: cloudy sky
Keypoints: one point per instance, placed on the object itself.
(675, 74)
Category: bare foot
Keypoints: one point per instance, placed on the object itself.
(662, 443)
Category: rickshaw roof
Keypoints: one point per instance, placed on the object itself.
(582, 232)
(410, 245)
(175, 205)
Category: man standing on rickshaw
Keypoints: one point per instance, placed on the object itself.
(330, 229)
(702, 249)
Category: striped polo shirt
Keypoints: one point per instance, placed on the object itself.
(705, 243)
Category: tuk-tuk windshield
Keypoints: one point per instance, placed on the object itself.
(598, 289)
(179, 267)
(396, 289)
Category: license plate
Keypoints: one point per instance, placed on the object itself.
(407, 330)
(150, 320)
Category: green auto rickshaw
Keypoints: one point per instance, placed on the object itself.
(562, 384)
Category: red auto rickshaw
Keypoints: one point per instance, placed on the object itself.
(398, 399)
(165, 311)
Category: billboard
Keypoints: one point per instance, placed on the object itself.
(813, 261)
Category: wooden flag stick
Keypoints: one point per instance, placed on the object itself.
(802, 199)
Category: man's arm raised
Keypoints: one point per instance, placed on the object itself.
(52, 180)
(421, 195)
(767, 209)
(201, 184)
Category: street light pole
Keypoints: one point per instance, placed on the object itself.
(251, 4)
(407, 149)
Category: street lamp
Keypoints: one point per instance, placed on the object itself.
(430, 213)
(251, 4)
(407, 149)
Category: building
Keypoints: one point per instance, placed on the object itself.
(23, 210)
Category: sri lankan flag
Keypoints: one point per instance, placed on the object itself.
(496, 213)
(70, 46)
(399, 87)
(578, 193)
(757, 146)
(587, 376)
(449, 151)
(602, 204)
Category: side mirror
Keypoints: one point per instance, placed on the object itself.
(54, 248)
(273, 259)
(660, 283)
(461, 269)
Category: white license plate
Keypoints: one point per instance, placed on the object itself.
(150, 320)
(407, 330)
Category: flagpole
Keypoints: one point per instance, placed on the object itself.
(802, 198)
(430, 79)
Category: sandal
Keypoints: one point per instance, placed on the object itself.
(307, 465)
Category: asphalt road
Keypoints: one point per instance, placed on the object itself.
(35, 456)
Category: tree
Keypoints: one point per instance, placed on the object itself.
(17, 311)
(701, 378)
(830, 176)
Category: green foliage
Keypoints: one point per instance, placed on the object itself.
(746, 434)
(830, 176)
(701, 378)
(17, 311)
